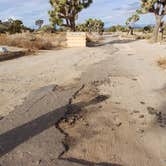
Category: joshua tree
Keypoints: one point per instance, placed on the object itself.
(161, 29)
(65, 12)
(92, 25)
(95, 25)
(39, 23)
(82, 28)
(158, 8)
(131, 22)
(14, 26)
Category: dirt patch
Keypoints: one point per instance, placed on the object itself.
(162, 63)
(74, 124)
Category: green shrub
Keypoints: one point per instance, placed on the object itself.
(91, 25)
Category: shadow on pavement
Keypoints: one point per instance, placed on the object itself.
(11, 139)
(99, 44)
(88, 163)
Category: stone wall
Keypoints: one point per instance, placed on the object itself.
(76, 39)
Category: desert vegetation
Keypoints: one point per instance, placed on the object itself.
(91, 25)
(13, 26)
(39, 23)
(131, 22)
(155, 7)
(100, 105)
(64, 13)
(63, 17)
(25, 41)
(158, 9)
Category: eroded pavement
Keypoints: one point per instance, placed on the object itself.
(111, 113)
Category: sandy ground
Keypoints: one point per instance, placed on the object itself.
(126, 128)
(129, 128)
(21, 76)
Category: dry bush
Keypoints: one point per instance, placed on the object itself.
(162, 63)
(57, 39)
(29, 42)
(144, 36)
(93, 37)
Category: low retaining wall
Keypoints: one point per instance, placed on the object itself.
(76, 39)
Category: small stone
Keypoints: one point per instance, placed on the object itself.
(71, 121)
(142, 102)
(39, 162)
(118, 124)
(151, 110)
(136, 111)
(141, 116)
(140, 131)
(81, 119)
(1, 117)
(87, 124)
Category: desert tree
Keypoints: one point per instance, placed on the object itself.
(156, 7)
(91, 25)
(95, 25)
(161, 29)
(131, 23)
(39, 23)
(82, 27)
(65, 12)
(14, 26)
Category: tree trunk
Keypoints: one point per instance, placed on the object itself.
(162, 35)
(73, 25)
(157, 27)
(132, 31)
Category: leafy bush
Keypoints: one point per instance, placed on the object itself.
(13, 26)
(117, 28)
(112, 29)
(47, 28)
(91, 25)
(148, 29)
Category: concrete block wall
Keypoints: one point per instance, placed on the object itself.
(76, 39)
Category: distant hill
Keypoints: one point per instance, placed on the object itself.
(137, 26)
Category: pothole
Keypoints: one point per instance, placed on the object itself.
(81, 100)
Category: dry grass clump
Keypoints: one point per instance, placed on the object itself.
(28, 42)
(162, 63)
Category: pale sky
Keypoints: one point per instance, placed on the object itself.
(112, 12)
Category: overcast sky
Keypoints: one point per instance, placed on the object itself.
(111, 11)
